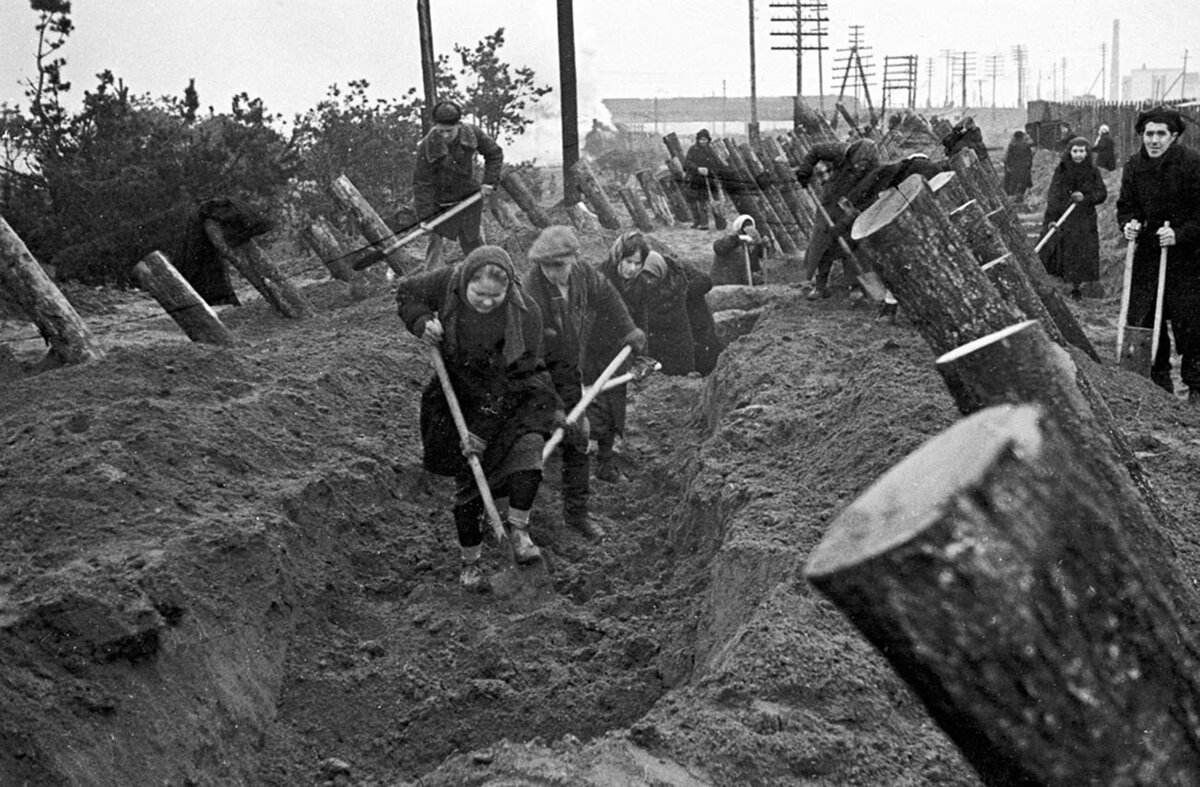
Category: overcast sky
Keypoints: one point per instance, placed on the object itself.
(288, 52)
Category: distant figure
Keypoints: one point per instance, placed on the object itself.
(1074, 252)
(731, 251)
(1105, 149)
(704, 170)
(1018, 166)
(1161, 183)
(965, 134)
(444, 175)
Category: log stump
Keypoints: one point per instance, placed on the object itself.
(989, 569)
(637, 211)
(320, 237)
(655, 197)
(512, 183)
(69, 340)
(680, 204)
(593, 194)
(157, 276)
(276, 288)
(372, 227)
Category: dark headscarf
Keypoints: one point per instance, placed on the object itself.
(515, 306)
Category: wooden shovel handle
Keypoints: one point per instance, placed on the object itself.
(589, 393)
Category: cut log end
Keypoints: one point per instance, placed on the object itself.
(888, 207)
(912, 495)
(1001, 259)
(984, 341)
(940, 179)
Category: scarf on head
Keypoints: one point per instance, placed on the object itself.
(515, 307)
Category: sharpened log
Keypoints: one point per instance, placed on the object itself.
(680, 205)
(749, 199)
(655, 196)
(674, 148)
(789, 188)
(981, 237)
(274, 285)
(372, 227)
(675, 167)
(321, 239)
(69, 340)
(787, 223)
(641, 217)
(512, 183)
(157, 276)
(989, 569)
(593, 194)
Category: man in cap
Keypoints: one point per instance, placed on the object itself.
(704, 170)
(1160, 184)
(581, 311)
(444, 175)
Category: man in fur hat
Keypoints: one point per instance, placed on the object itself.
(1160, 184)
(704, 171)
(444, 175)
(581, 310)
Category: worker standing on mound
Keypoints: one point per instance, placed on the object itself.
(490, 336)
(732, 252)
(577, 302)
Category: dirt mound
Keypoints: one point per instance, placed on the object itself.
(225, 566)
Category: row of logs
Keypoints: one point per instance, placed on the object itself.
(1015, 570)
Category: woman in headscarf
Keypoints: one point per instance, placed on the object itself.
(730, 254)
(1105, 149)
(1074, 252)
(490, 336)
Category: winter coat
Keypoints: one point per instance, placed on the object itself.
(699, 185)
(593, 320)
(444, 174)
(729, 258)
(1106, 152)
(1073, 254)
(961, 137)
(849, 165)
(678, 323)
(505, 390)
(1018, 167)
(1158, 190)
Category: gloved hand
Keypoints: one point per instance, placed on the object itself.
(1166, 236)
(1131, 229)
(703, 171)
(1077, 196)
(432, 332)
(745, 239)
(475, 445)
(486, 189)
(637, 340)
(578, 433)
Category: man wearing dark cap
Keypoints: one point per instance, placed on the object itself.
(1160, 185)
(444, 175)
(581, 312)
(704, 170)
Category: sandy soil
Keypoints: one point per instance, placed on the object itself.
(225, 566)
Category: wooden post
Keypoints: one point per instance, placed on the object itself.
(788, 223)
(501, 211)
(656, 197)
(28, 285)
(512, 183)
(674, 148)
(594, 194)
(372, 227)
(1010, 280)
(789, 188)
(641, 218)
(276, 288)
(990, 569)
(753, 202)
(199, 322)
(675, 166)
(680, 204)
(321, 239)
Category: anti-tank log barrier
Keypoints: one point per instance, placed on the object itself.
(951, 302)
(789, 188)
(276, 288)
(681, 206)
(320, 237)
(679, 177)
(788, 223)
(748, 198)
(157, 276)
(372, 227)
(637, 211)
(655, 197)
(593, 194)
(990, 568)
(26, 283)
(512, 182)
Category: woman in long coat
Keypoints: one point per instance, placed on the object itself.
(1018, 166)
(1074, 253)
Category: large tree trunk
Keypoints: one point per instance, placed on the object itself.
(191, 313)
(656, 197)
(512, 183)
(276, 288)
(321, 239)
(990, 569)
(681, 206)
(594, 194)
(789, 223)
(372, 227)
(753, 202)
(28, 285)
(641, 218)
(675, 167)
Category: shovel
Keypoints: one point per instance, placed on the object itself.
(589, 393)
(423, 228)
(1054, 228)
(1138, 347)
(869, 279)
(641, 367)
(749, 270)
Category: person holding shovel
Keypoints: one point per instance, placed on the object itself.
(704, 171)
(489, 334)
(444, 175)
(582, 313)
(1073, 254)
(739, 254)
(1160, 184)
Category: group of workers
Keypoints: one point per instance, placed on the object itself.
(520, 351)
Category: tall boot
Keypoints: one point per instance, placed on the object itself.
(606, 460)
(524, 550)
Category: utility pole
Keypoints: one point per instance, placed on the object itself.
(948, 54)
(753, 130)
(1065, 95)
(1021, 57)
(1114, 84)
(995, 67)
(428, 64)
(811, 26)
(966, 66)
(929, 83)
(1103, 69)
(570, 110)
(1183, 78)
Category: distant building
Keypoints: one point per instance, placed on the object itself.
(1158, 84)
(720, 115)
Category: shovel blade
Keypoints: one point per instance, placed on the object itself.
(1135, 350)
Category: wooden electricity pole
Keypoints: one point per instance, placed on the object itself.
(570, 112)
(753, 130)
(428, 63)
